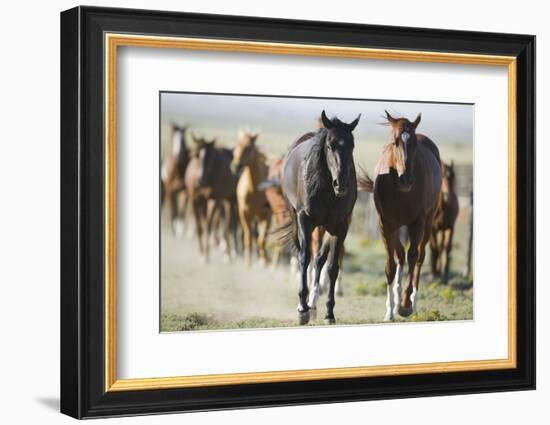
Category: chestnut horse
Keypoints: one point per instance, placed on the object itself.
(254, 210)
(173, 178)
(276, 201)
(320, 188)
(211, 186)
(406, 190)
(441, 240)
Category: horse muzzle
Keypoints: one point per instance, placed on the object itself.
(339, 189)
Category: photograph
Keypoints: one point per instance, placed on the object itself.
(280, 211)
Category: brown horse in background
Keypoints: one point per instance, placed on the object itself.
(441, 240)
(406, 189)
(211, 186)
(172, 176)
(254, 210)
(276, 201)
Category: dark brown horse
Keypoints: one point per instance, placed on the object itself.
(406, 190)
(172, 176)
(320, 188)
(211, 186)
(441, 240)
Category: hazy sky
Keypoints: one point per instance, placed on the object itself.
(446, 123)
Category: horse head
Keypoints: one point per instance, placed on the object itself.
(245, 152)
(404, 144)
(448, 178)
(339, 144)
(178, 139)
(205, 151)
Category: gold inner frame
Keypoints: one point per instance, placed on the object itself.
(113, 41)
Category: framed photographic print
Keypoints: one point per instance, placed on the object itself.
(261, 212)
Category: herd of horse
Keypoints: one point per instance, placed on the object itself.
(306, 199)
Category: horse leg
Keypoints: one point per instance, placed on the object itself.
(419, 262)
(198, 212)
(173, 196)
(389, 236)
(304, 257)
(416, 235)
(400, 261)
(234, 223)
(227, 223)
(440, 251)
(434, 250)
(177, 220)
(246, 223)
(336, 244)
(263, 229)
(448, 247)
(339, 285)
(213, 221)
(320, 259)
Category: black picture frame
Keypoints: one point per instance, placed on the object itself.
(82, 212)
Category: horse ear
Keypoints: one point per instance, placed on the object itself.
(417, 120)
(452, 164)
(354, 123)
(195, 138)
(390, 119)
(212, 142)
(253, 138)
(326, 122)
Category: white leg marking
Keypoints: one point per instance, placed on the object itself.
(313, 296)
(389, 303)
(179, 226)
(310, 275)
(413, 300)
(324, 279)
(397, 288)
(339, 286)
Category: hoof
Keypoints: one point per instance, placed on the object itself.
(312, 313)
(405, 311)
(303, 317)
(330, 320)
(388, 318)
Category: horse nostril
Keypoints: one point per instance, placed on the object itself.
(335, 183)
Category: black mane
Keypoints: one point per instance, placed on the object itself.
(315, 170)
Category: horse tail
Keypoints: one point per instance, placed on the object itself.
(287, 233)
(364, 182)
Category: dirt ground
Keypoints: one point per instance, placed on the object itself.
(217, 295)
